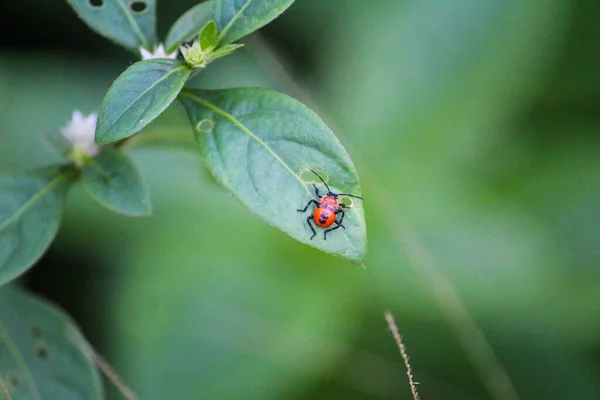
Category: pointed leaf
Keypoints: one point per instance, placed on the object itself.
(31, 206)
(113, 180)
(42, 353)
(258, 143)
(131, 24)
(208, 35)
(138, 96)
(189, 25)
(237, 18)
(225, 50)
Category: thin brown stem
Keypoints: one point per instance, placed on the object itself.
(398, 338)
(5, 390)
(110, 373)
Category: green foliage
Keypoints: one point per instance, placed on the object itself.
(132, 24)
(258, 143)
(42, 353)
(114, 181)
(138, 96)
(188, 25)
(204, 49)
(238, 18)
(208, 35)
(31, 206)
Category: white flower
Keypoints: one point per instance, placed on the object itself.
(159, 52)
(80, 133)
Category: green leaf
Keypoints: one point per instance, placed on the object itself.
(258, 143)
(237, 18)
(113, 180)
(31, 206)
(130, 23)
(138, 96)
(208, 35)
(189, 25)
(43, 355)
(224, 51)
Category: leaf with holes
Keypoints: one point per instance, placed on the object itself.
(31, 206)
(189, 25)
(113, 180)
(138, 96)
(237, 18)
(42, 353)
(130, 23)
(258, 143)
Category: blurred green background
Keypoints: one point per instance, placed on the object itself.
(475, 128)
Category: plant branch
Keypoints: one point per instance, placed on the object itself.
(396, 334)
(109, 372)
(5, 390)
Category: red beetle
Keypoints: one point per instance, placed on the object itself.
(327, 210)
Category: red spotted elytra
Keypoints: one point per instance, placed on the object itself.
(327, 209)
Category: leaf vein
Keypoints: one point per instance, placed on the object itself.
(233, 20)
(244, 129)
(158, 81)
(134, 24)
(29, 203)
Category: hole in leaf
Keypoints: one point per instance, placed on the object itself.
(347, 201)
(205, 125)
(36, 332)
(41, 352)
(309, 177)
(138, 6)
(96, 3)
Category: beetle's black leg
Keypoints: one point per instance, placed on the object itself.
(329, 230)
(341, 219)
(308, 204)
(311, 227)
(316, 190)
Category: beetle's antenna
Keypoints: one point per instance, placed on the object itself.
(350, 195)
(324, 183)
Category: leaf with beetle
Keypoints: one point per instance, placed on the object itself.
(261, 145)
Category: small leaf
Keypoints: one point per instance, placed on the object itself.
(138, 96)
(208, 35)
(258, 143)
(237, 18)
(43, 355)
(188, 25)
(223, 51)
(131, 24)
(113, 180)
(31, 206)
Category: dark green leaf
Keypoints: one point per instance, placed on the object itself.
(31, 206)
(258, 143)
(138, 96)
(131, 23)
(114, 181)
(189, 25)
(237, 18)
(43, 355)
